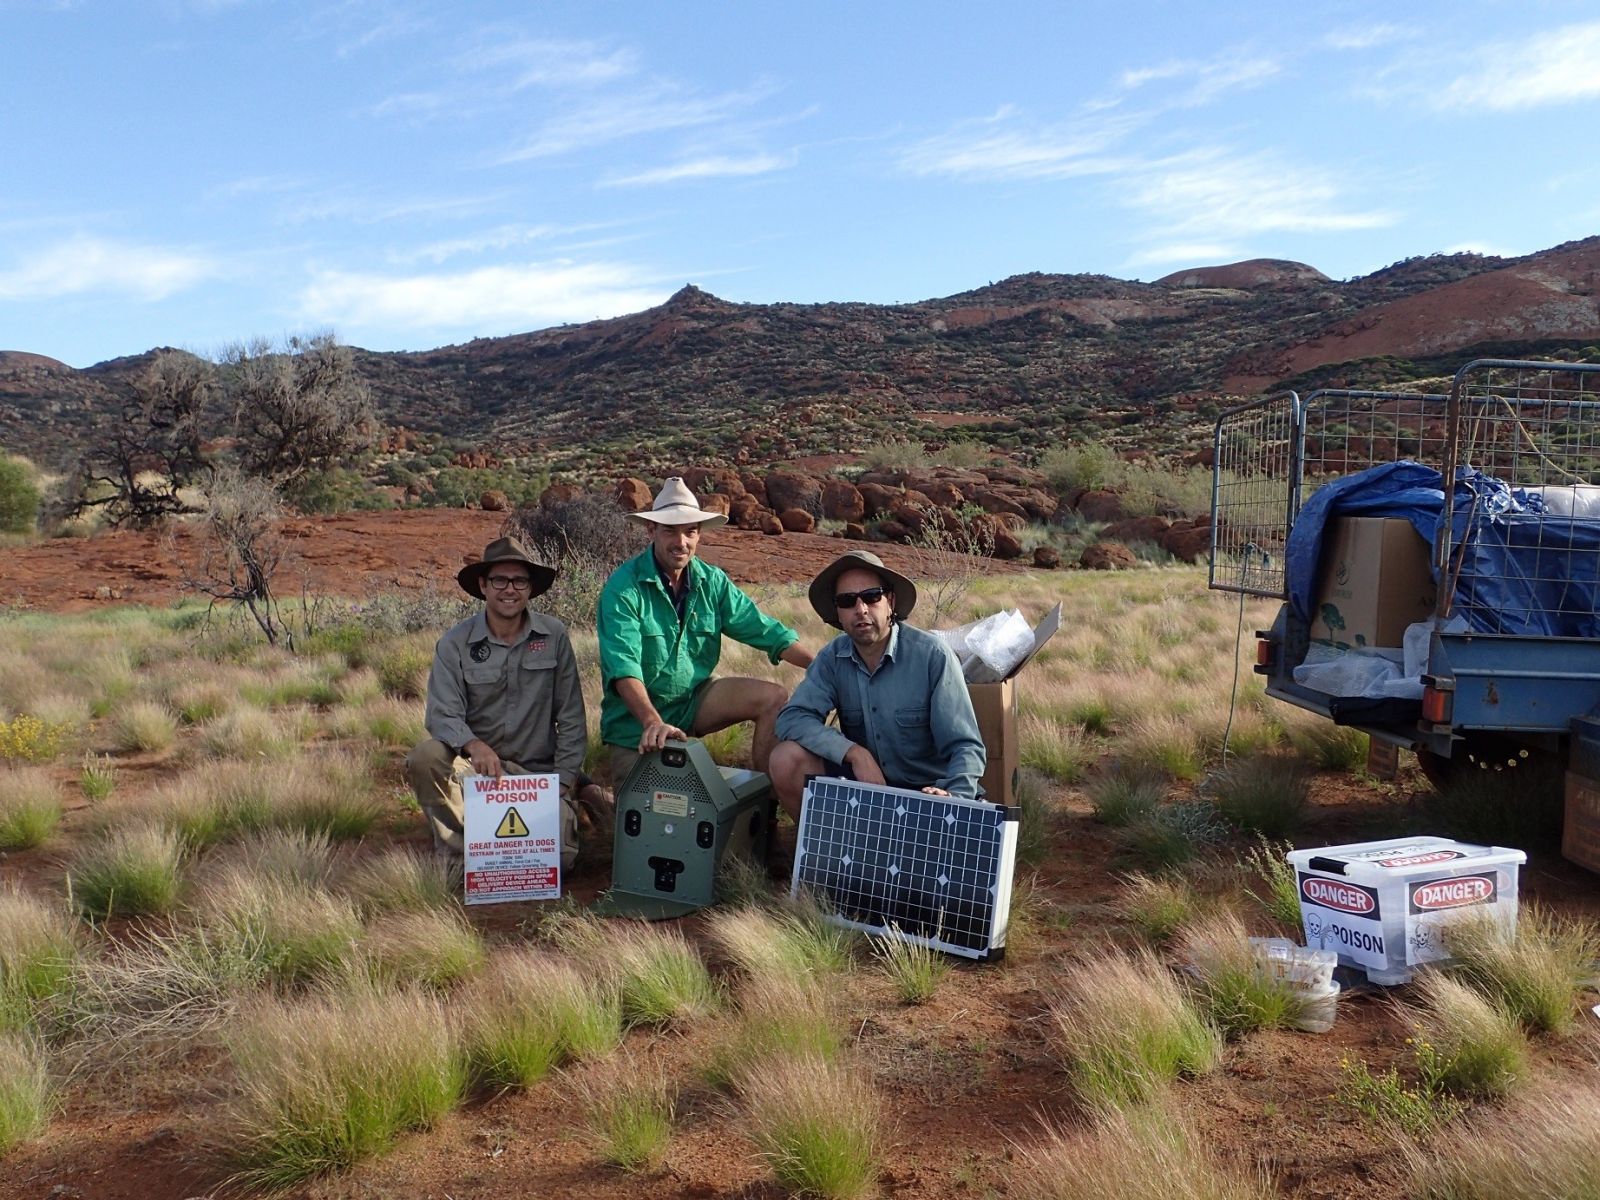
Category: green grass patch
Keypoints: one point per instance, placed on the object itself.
(528, 1013)
(1534, 974)
(629, 1115)
(38, 949)
(27, 1099)
(30, 807)
(1275, 888)
(131, 871)
(914, 969)
(435, 947)
(817, 1124)
(1263, 795)
(1120, 798)
(1236, 995)
(1468, 1045)
(1157, 907)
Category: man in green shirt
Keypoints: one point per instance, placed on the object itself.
(663, 614)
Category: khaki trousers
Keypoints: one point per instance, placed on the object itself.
(435, 771)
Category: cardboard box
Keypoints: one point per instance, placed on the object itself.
(995, 705)
(1580, 825)
(1375, 580)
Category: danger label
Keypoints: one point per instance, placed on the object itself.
(513, 838)
(1351, 898)
(511, 825)
(1463, 890)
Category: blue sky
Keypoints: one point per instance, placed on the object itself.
(410, 174)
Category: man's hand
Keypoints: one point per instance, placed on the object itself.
(935, 791)
(484, 760)
(866, 767)
(656, 735)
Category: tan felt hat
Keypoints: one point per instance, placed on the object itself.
(505, 549)
(824, 586)
(675, 504)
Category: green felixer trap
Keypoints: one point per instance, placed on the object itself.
(679, 817)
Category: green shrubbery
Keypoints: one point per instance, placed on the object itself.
(19, 496)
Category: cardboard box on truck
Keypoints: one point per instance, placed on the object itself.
(1375, 580)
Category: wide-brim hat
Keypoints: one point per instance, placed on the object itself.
(824, 586)
(502, 550)
(675, 504)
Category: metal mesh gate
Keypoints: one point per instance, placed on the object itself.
(1254, 449)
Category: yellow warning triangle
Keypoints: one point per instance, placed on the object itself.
(512, 825)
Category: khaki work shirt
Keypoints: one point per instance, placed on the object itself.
(522, 698)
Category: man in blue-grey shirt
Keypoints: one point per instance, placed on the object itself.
(905, 718)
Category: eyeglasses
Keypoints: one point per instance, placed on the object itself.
(517, 583)
(868, 596)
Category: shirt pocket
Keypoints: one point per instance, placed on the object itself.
(485, 686)
(911, 726)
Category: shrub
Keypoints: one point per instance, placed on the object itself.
(1125, 1028)
(131, 871)
(1265, 795)
(26, 1097)
(26, 738)
(1384, 1099)
(819, 1126)
(1468, 1045)
(1235, 994)
(19, 496)
(403, 671)
(327, 1081)
(30, 807)
(1535, 973)
(1085, 465)
(587, 537)
(1148, 1153)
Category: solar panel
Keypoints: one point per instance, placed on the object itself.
(932, 869)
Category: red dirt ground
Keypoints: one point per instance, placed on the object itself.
(966, 1078)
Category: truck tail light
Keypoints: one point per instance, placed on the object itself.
(1266, 652)
(1435, 705)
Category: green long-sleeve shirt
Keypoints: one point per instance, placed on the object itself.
(641, 638)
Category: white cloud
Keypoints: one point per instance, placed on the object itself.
(714, 166)
(992, 148)
(1482, 248)
(89, 264)
(1554, 67)
(527, 295)
(541, 62)
(501, 237)
(1186, 254)
(1205, 80)
(367, 210)
(1210, 195)
(1366, 37)
(654, 110)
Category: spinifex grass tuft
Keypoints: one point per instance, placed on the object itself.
(30, 807)
(130, 871)
(434, 946)
(1061, 752)
(1122, 797)
(1157, 907)
(1546, 1148)
(818, 1125)
(1233, 991)
(1328, 746)
(1265, 795)
(1146, 1153)
(785, 943)
(527, 1013)
(403, 670)
(38, 946)
(1125, 1028)
(779, 1016)
(1535, 973)
(1269, 862)
(327, 1081)
(915, 969)
(1468, 1045)
(399, 880)
(298, 933)
(97, 777)
(144, 725)
(26, 1096)
(1171, 835)
(658, 974)
(629, 1112)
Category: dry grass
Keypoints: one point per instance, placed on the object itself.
(1157, 907)
(629, 1111)
(400, 880)
(1150, 1154)
(30, 807)
(1534, 974)
(1468, 1045)
(1125, 1028)
(527, 1013)
(779, 1016)
(1236, 996)
(130, 871)
(434, 947)
(1547, 1148)
(27, 1097)
(297, 932)
(660, 977)
(790, 942)
(144, 726)
(38, 948)
(819, 1126)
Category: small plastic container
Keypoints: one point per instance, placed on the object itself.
(1304, 967)
(1321, 1007)
(1383, 906)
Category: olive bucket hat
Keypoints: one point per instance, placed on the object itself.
(504, 550)
(824, 586)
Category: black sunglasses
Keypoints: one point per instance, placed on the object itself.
(868, 596)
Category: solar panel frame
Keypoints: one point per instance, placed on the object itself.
(934, 870)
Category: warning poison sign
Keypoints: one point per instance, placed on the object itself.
(512, 825)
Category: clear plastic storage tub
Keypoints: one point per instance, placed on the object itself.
(1383, 906)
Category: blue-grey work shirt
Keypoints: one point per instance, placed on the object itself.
(913, 713)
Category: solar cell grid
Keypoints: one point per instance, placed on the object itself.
(934, 869)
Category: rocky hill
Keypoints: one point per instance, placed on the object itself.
(1022, 363)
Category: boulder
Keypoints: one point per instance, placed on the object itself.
(704, 481)
(754, 485)
(769, 524)
(1100, 506)
(856, 530)
(1137, 529)
(494, 500)
(633, 494)
(786, 489)
(560, 493)
(718, 502)
(796, 520)
(1108, 556)
(884, 477)
(876, 498)
(841, 501)
(912, 517)
(1190, 544)
(1039, 504)
(1006, 543)
(742, 509)
(942, 491)
(892, 531)
(1047, 557)
(993, 501)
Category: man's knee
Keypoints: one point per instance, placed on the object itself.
(773, 698)
(428, 768)
(790, 764)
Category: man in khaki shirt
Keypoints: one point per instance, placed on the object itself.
(503, 694)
